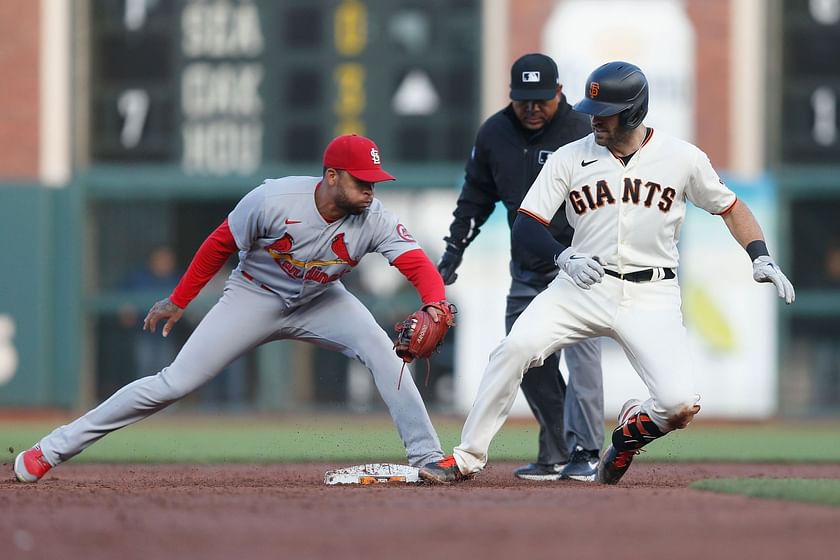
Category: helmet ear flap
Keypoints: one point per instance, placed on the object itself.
(633, 116)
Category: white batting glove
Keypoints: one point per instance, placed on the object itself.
(765, 269)
(584, 271)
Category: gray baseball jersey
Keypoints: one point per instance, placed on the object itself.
(286, 245)
(285, 287)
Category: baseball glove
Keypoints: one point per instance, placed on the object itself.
(418, 336)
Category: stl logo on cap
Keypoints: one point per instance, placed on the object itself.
(358, 156)
(594, 88)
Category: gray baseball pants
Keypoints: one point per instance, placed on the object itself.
(245, 317)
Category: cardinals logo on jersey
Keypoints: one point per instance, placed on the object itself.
(281, 246)
(340, 249)
(404, 234)
(281, 252)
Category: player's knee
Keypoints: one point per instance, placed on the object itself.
(677, 413)
(172, 384)
(680, 417)
(519, 348)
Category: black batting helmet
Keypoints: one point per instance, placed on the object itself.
(616, 88)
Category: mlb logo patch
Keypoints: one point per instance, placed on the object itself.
(542, 156)
(533, 76)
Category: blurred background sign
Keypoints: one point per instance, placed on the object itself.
(153, 117)
(192, 103)
(805, 154)
(810, 83)
(227, 87)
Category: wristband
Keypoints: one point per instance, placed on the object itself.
(757, 248)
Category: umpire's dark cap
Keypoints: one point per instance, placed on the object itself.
(533, 77)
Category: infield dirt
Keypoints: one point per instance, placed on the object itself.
(128, 512)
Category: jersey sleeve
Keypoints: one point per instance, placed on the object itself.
(705, 189)
(549, 189)
(391, 238)
(247, 220)
(208, 260)
(421, 272)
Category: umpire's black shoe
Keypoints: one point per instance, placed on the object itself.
(614, 464)
(539, 471)
(583, 465)
(445, 471)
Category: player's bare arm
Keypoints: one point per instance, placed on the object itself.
(742, 224)
(163, 309)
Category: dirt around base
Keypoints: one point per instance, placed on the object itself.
(127, 512)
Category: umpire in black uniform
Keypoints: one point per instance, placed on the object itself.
(510, 149)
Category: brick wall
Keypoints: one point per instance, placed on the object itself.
(711, 25)
(19, 104)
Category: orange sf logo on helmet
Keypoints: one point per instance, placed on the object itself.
(594, 87)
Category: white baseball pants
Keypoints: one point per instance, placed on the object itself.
(644, 318)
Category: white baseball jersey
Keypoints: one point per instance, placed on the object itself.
(629, 217)
(286, 245)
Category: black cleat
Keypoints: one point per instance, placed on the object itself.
(539, 471)
(583, 465)
(445, 471)
(635, 429)
(614, 464)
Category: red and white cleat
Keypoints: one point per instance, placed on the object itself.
(31, 465)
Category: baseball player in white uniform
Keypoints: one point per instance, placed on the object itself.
(625, 188)
(296, 237)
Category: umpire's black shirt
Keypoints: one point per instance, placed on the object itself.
(505, 161)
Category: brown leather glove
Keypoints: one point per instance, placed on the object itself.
(420, 334)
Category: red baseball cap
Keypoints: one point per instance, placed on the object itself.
(358, 156)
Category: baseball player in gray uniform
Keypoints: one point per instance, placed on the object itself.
(296, 237)
(625, 188)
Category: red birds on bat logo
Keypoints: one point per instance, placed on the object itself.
(282, 245)
(340, 249)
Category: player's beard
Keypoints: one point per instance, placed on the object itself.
(612, 137)
(342, 201)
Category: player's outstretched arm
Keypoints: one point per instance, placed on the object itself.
(208, 260)
(746, 230)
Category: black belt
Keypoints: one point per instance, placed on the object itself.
(644, 275)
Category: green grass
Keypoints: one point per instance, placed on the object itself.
(171, 438)
(816, 491)
(773, 442)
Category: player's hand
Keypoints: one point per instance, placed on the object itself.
(164, 309)
(449, 263)
(584, 271)
(765, 269)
